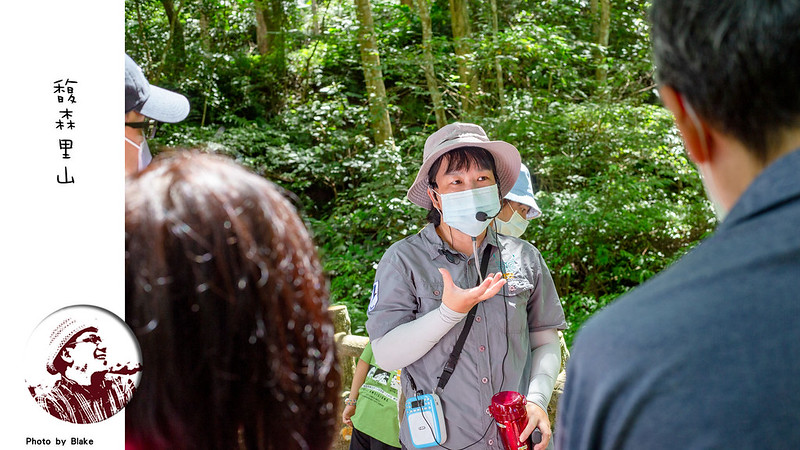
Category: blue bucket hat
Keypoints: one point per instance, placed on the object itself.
(522, 192)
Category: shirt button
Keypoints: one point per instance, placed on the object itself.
(487, 411)
(477, 318)
(484, 380)
(435, 292)
(481, 348)
(491, 441)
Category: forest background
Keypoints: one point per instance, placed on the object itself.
(333, 100)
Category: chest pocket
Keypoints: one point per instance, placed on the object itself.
(429, 297)
(518, 292)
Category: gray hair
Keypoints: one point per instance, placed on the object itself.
(737, 62)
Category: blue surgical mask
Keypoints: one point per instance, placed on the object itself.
(515, 226)
(459, 209)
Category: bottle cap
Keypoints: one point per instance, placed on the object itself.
(508, 406)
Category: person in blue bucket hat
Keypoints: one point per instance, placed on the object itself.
(519, 206)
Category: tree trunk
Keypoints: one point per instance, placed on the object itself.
(269, 33)
(269, 21)
(498, 68)
(176, 41)
(602, 25)
(373, 75)
(205, 37)
(459, 16)
(409, 3)
(424, 8)
(314, 18)
(262, 33)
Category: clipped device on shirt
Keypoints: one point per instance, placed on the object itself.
(426, 420)
(451, 257)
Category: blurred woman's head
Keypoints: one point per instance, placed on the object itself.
(225, 293)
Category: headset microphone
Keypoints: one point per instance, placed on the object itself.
(483, 217)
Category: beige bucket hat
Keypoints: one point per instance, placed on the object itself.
(456, 135)
(64, 332)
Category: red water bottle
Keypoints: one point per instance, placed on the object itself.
(508, 410)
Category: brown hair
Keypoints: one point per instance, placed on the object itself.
(225, 292)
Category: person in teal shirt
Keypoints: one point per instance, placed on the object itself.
(372, 406)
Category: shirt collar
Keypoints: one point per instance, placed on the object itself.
(776, 184)
(433, 242)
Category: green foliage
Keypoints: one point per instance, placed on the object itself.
(369, 217)
(619, 199)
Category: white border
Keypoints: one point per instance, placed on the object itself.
(60, 245)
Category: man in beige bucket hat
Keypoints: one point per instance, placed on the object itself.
(86, 392)
(458, 269)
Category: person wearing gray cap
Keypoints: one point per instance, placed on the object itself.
(145, 106)
(459, 284)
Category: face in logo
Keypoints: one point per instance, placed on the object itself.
(87, 353)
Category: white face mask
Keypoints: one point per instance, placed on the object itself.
(459, 209)
(515, 226)
(705, 175)
(144, 152)
(146, 156)
(708, 183)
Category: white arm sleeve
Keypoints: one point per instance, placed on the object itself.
(410, 341)
(546, 355)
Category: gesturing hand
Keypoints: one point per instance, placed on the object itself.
(462, 300)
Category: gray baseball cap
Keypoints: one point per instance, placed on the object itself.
(151, 101)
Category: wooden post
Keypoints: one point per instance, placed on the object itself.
(341, 326)
(348, 348)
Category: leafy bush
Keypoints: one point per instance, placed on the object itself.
(619, 198)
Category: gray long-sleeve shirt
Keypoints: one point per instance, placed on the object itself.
(497, 352)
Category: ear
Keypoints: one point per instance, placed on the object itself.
(434, 199)
(696, 133)
(133, 116)
(65, 355)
